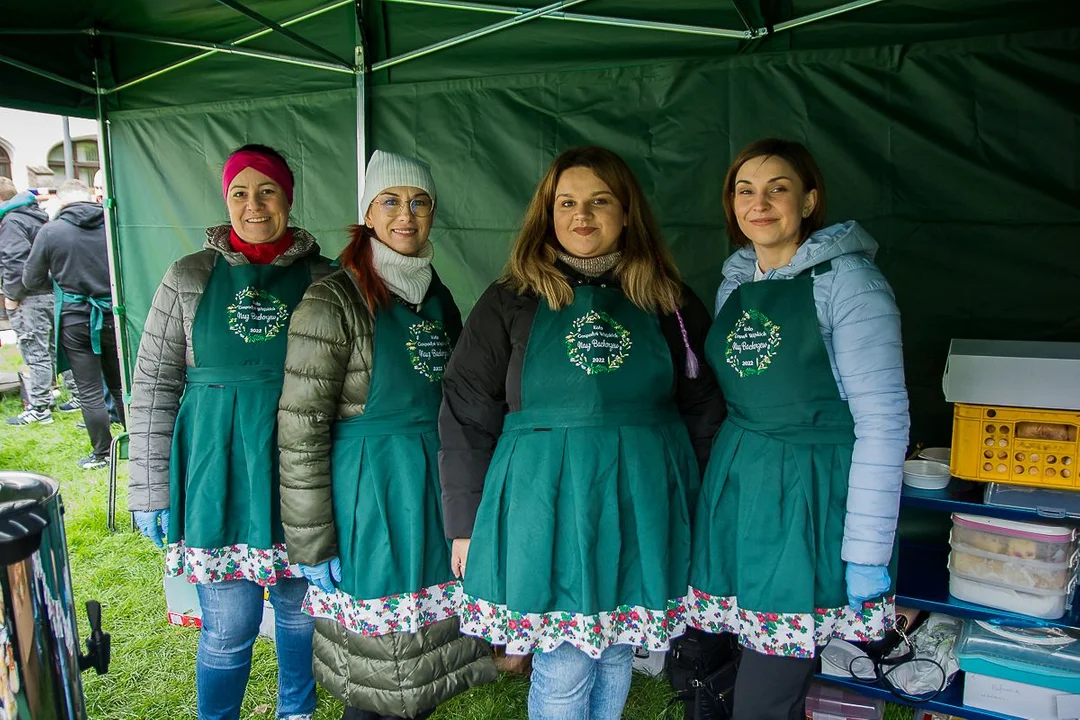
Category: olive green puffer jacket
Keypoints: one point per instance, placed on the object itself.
(327, 371)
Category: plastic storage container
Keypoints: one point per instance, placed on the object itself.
(1045, 501)
(1016, 445)
(1027, 568)
(825, 702)
(926, 474)
(937, 454)
(1047, 657)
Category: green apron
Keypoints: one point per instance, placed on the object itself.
(98, 307)
(770, 522)
(223, 475)
(582, 534)
(395, 558)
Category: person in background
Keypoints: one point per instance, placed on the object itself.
(30, 310)
(74, 404)
(795, 529)
(359, 471)
(71, 251)
(204, 457)
(575, 425)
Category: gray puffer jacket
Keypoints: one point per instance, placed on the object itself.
(165, 353)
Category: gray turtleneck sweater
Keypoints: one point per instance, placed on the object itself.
(406, 276)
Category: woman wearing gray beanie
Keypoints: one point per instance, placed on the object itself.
(360, 494)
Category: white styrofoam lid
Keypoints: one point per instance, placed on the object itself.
(1051, 532)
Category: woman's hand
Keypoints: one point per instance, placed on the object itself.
(459, 554)
(866, 582)
(154, 524)
(325, 575)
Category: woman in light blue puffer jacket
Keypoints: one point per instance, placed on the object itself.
(796, 522)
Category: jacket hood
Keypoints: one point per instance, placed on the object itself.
(847, 238)
(24, 202)
(86, 215)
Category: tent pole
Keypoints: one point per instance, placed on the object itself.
(502, 25)
(296, 38)
(814, 17)
(238, 41)
(46, 74)
(588, 19)
(45, 31)
(262, 54)
(742, 16)
(112, 241)
(361, 128)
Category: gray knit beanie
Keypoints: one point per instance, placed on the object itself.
(386, 170)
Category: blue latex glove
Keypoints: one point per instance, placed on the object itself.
(865, 582)
(323, 575)
(154, 524)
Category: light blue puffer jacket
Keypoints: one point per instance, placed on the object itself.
(861, 326)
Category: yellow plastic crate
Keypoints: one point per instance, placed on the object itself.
(1020, 446)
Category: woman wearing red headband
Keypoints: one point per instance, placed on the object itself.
(213, 349)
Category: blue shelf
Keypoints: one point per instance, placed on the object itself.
(964, 496)
(923, 583)
(950, 702)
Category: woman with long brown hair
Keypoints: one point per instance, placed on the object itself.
(359, 472)
(573, 407)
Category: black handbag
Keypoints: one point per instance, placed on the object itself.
(702, 669)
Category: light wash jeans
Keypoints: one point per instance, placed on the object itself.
(231, 613)
(567, 684)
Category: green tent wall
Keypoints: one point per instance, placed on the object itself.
(948, 128)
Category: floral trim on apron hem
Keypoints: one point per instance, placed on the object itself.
(405, 612)
(524, 633)
(235, 562)
(790, 634)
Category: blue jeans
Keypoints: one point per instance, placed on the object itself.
(231, 613)
(567, 684)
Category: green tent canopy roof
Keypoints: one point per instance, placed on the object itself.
(55, 60)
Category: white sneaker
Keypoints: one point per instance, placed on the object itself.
(31, 417)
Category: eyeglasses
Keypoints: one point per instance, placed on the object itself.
(418, 206)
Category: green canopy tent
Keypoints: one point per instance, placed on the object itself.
(947, 127)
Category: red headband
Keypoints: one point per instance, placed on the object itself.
(268, 165)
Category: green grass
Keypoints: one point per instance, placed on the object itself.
(152, 675)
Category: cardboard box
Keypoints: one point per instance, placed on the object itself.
(1024, 701)
(182, 605)
(1013, 373)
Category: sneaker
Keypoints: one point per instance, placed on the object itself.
(32, 416)
(81, 425)
(93, 462)
(70, 406)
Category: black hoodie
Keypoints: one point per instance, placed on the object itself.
(73, 249)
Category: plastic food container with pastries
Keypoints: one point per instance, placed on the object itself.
(1029, 568)
(1016, 445)
(1043, 656)
(1011, 539)
(1045, 501)
(825, 702)
(1037, 604)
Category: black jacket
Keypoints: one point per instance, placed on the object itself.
(483, 383)
(17, 230)
(73, 248)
